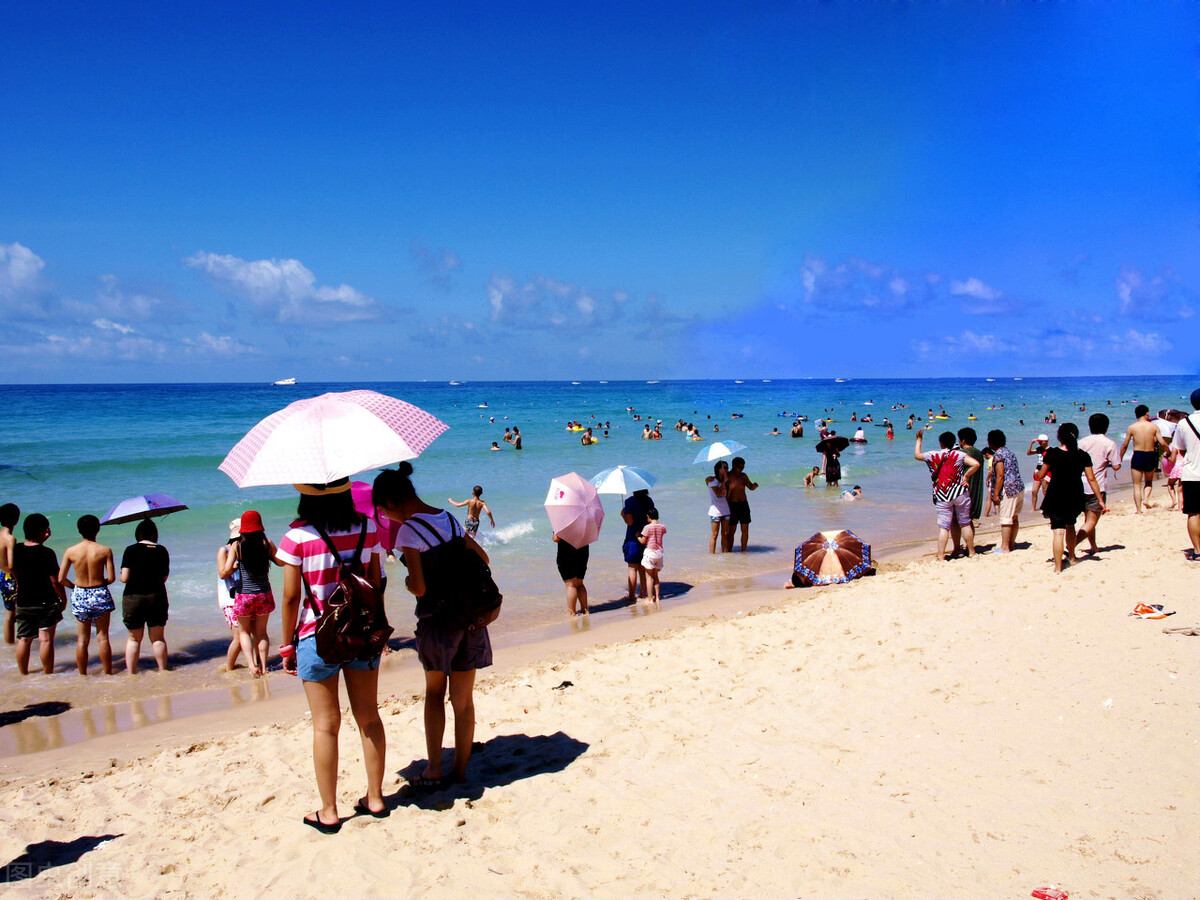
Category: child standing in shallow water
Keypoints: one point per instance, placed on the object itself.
(652, 558)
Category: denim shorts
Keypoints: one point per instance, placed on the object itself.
(310, 666)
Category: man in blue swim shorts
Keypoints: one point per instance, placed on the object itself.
(90, 599)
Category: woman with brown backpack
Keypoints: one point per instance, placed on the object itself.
(313, 574)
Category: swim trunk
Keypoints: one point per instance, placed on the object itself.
(446, 649)
(472, 526)
(311, 667)
(1010, 508)
(253, 604)
(141, 610)
(1091, 504)
(31, 620)
(8, 590)
(1144, 460)
(1191, 497)
(956, 510)
(739, 512)
(652, 560)
(90, 603)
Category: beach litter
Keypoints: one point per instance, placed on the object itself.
(1151, 611)
(1047, 893)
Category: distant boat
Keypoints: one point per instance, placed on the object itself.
(574, 382)
(651, 382)
(839, 381)
(739, 382)
(989, 379)
(1018, 379)
(766, 381)
(456, 383)
(285, 381)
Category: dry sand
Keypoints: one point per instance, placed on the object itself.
(978, 728)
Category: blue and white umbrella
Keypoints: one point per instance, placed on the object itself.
(718, 450)
(623, 480)
(143, 506)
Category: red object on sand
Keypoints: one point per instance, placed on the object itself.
(1049, 894)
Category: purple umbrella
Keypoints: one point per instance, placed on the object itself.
(144, 506)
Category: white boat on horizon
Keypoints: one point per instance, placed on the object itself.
(285, 381)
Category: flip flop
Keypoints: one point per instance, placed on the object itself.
(423, 783)
(324, 828)
(363, 810)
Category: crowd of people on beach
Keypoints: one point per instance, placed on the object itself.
(329, 535)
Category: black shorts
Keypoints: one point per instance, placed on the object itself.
(445, 649)
(31, 620)
(144, 610)
(573, 564)
(1144, 460)
(739, 512)
(1058, 522)
(1191, 497)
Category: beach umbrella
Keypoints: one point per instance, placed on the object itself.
(717, 450)
(623, 480)
(387, 529)
(1172, 415)
(831, 557)
(143, 506)
(573, 506)
(833, 442)
(322, 439)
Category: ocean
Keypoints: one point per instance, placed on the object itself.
(68, 450)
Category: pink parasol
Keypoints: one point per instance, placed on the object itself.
(387, 529)
(574, 508)
(322, 439)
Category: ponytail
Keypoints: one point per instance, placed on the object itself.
(393, 487)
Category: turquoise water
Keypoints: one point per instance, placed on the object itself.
(70, 450)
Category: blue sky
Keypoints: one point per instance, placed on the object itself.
(597, 190)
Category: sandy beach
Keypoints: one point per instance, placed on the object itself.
(978, 728)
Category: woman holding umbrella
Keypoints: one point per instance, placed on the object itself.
(327, 510)
(144, 570)
(831, 448)
(718, 507)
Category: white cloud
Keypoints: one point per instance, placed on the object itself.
(20, 270)
(1142, 342)
(285, 288)
(106, 325)
(549, 303)
(113, 300)
(205, 344)
(859, 284)
(973, 287)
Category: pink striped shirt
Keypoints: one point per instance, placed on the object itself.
(303, 546)
(653, 533)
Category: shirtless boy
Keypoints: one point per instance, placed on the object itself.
(474, 505)
(810, 480)
(90, 600)
(1146, 440)
(9, 516)
(739, 507)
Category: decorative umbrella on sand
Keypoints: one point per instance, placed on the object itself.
(833, 442)
(717, 450)
(333, 436)
(143, 506)
(831, 557)
(573, 506)
(623, 480)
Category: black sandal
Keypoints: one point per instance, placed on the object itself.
(315, 822)
(363, 810)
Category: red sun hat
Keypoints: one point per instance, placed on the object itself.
(251, 522)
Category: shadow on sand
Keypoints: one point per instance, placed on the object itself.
(504, 759)
(44, 855)
(45, 708)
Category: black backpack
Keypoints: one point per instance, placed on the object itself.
(457, 580)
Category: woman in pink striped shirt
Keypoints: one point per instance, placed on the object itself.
(327, 510)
